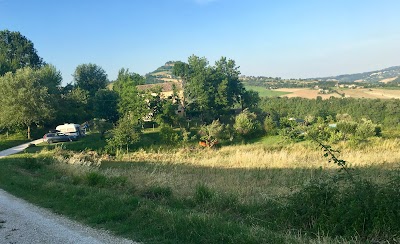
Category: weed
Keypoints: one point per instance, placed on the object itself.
(157, 192)
(203, 193)
(31, 164)
(96, 179)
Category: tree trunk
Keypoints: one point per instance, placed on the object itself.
(29, 132)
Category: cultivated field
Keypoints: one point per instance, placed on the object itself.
(355, 93)
(264, 92)
(306, 93)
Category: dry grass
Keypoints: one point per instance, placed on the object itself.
(255, 156)
(354, 93)
(252, 172)
(306, 93)
(388, 80)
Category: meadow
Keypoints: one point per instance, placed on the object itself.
(264, 92)
(247, 193)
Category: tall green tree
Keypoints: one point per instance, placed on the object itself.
(24, 101)
(74, 101)
(16, 51)
(125, 134)
(131, 100)
(106, 105)
(124, 76)
(210, 91)
(90, 77)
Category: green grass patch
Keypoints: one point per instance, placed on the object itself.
(92, 142)
(146, 201)
(12, 140)
(152, 215)
(264, 92)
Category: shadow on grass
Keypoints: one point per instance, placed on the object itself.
(6, 144)
(157, 203)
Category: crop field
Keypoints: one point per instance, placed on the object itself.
(371, 93)
(354, 93)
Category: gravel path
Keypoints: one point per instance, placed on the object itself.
(24, 223)
(19, 148)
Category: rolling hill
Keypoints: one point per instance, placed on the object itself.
(162, 74)
(384, 75)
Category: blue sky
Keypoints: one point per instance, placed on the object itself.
(288, 38)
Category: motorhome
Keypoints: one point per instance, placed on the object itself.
(73, 130)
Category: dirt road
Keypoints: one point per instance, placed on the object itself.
(19, 148)
(24, 223)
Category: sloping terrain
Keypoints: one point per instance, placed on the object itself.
(162, 74)
(384, 75)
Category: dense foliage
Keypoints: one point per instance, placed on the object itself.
(379, 111)
(17, 52)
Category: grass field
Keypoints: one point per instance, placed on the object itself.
(264, 92)
(236, 194)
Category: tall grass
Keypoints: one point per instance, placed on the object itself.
(255, 193)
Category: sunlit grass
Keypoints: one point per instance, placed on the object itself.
(264, 92)
(167, 194)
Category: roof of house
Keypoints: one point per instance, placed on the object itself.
(167, 86)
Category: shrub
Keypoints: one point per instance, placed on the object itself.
(95, 179)
(31, 164)
(246, 123)
(368, 210)
(366, 129)
(126, 133)
(203, 193)
(307, 208)
(270, 126)
(168, 135)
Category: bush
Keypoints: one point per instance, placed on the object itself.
(168, 135)
(246, 124)
(203, 193)
(95, 179)
(270, 126)
(369, 210)
(308, 207)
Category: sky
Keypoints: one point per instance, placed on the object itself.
(286, 38)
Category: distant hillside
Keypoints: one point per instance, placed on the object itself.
(384, 75)
(162, 74)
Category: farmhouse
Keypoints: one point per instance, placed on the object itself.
(166, 93)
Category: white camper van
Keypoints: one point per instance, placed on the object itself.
(73, 130)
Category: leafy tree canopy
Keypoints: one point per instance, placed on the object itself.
(16, 52)
(90, 77)
(210, 91)
(105, 105)
(23, 99)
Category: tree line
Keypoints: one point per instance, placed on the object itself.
(213, 97)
